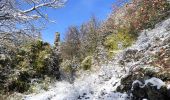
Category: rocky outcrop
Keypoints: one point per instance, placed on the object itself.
(56, 57)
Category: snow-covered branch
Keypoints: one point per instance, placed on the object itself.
(17, 12)
(51, 4)
(26, 17)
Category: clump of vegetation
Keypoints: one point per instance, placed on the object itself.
(118, 41)
(34, 56)
(38, 84)
(66, 66)
(19, 82)
(87, 63)
(33, 60)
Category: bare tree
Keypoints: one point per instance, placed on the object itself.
(70, 50)
(81, 42)
(23, 14)
(21, 20)
(71, 46)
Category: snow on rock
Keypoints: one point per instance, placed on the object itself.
(155, 82)
(168, 86)
(152, 81)
(137, 81)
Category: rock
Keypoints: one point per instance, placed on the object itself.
(138, 93)
(126, 84)
(148, 90)
(153, 93)
(84, 94)
(145, 89)
(168, 93)
(129, 55)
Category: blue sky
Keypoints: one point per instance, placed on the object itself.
(75, 12)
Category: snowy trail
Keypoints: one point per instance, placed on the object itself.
(97, 86)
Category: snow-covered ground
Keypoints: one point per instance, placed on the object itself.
(101, 85)
(97, 86)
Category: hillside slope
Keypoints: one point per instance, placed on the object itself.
(140, 68)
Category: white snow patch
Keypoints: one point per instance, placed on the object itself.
(168, 86)
(137, 81)
(155, 82)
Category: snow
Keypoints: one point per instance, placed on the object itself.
(155, 82)
(168, 86)
(147, 37)
(152, 68)
(137, 81)
(100, 85)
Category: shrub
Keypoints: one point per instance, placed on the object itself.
(40, 84)
(33, 60)
(35, 56)
(19, 86)
(87, 63)
(118, 41)
(66, 66)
